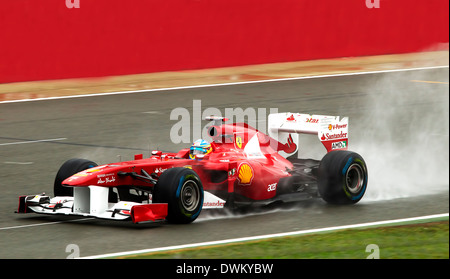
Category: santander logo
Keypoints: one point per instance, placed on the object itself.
(328, 136)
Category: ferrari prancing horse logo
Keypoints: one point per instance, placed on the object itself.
(239, 142)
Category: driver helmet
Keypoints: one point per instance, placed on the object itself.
(199, 147)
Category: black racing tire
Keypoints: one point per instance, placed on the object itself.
(182, 190)
(342, 177)
(69, 168)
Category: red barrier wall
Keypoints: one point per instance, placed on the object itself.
(43, 39)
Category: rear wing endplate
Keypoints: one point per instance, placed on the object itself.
(285, 127)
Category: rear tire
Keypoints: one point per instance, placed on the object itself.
(68, 169)
(342, 177)
(182, 190)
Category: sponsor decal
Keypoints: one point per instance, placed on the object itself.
(105, 174)
(339, 145)
(336, 126)
(106, 178)
(217, 203)
(271, 187)
(312, 120)
(245, 174)
(159, 170)
(328, 136)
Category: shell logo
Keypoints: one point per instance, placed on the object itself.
(245, 174)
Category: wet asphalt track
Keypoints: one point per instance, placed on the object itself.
(101, 128)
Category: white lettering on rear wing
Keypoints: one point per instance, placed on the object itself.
(285, 127)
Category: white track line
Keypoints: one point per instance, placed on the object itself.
(224, 84)
(43, 224)
(31, 141)
(18, 163)
(252, 238)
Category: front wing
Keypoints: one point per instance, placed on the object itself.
(92, 201)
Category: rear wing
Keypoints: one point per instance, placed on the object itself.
(285, 127)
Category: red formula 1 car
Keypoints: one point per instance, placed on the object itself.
(243, 166)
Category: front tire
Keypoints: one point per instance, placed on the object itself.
(68, 169)
(342, 177)
(182, 190)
